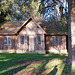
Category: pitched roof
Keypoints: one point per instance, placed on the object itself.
(11, 28)
(52, 28)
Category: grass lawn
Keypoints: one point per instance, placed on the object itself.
(33, 64)
(73, 71)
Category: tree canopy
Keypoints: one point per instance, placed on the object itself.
(44, 9)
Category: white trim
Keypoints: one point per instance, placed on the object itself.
(24, 24)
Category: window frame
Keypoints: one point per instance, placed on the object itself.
(38, 39)
(24, 39)
(7, 37)
(55, 40)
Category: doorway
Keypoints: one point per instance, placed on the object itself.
(31, 43)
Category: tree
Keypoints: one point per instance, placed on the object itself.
(54, 9)
(22, 9)
(19, 9)
(5, 9)
(69, 59)
(73, 32)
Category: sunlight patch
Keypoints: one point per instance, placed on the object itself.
(60, 69)
(53, 62)
(29, 69)
(73, 70)
(2, 57)
(46, 55)
(5, 59)
(54, 70)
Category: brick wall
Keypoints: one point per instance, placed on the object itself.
(60, 44)
(7, 47)
(42, 45)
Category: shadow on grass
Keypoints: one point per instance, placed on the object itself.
(66, 70)
(14, 71)
(31, 58)
(41, 68)
(54, 71)
(73, 70)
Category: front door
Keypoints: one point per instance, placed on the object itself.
(31, 43)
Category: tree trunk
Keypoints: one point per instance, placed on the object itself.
(69, 59)
(71, 33)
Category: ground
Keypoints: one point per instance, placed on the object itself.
(34, 64)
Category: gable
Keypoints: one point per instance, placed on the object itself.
(32, 28)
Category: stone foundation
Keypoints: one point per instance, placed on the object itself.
(56, 51)
(7, 51)
(31, 52)
(24, 51)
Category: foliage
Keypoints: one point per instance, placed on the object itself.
(54, 9)
(39, 64)
(18, 9)
(22, 9)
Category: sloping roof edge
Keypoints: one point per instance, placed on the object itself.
(40, 27)
(53, 34)
(25, 23)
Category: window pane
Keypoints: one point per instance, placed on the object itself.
(9, 40)
(54, 40)
(5, 40)
(22, 39)
(39, 39)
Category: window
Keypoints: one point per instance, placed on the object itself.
(39, 39)
(22, 39)
(54, 40)
(7, 40)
